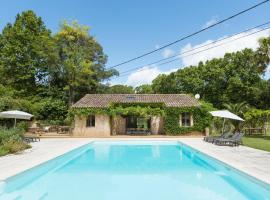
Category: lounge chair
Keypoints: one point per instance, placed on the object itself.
(213, 138)
(235, 140)
(31, 138)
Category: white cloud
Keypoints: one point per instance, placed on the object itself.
(167, 53)
(267, 73)
(145, 75)
(157, 46)
(250, 41)
(212, 21)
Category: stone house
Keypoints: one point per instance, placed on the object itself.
(99, 124)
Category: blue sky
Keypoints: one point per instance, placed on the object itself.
(128, 28)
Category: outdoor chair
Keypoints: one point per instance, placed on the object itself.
(235, 140)
(212, 139)
(31, 138)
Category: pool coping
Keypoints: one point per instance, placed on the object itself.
(13, 173)
(241, 172)
(252, 174)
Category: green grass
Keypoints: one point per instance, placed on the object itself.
(261, 142)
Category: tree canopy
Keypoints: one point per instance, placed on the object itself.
(45, 73)
(26, 51)
(144, 89)
(119, 89)
(235, 78)
(81, 61)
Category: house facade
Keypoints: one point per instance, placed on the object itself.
(105, 115)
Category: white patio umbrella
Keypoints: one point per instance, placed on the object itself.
(15, 114)
(225, 114)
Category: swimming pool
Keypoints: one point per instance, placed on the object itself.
(130, 170)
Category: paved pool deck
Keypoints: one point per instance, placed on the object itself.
(251, 161)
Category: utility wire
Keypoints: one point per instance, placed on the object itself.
(199, 47)
(192, 34)
(197, 51)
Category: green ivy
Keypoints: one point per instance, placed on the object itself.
(201, 116)
(201, 119)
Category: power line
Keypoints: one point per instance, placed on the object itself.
(199, 47)
(191, 35)
(198, 51)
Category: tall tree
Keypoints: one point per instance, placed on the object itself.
(263, 53)
(81, 66)
(26, 52)
(238, 109)
(120, 89)
(235, 78)
(144, 89)
(164, 84)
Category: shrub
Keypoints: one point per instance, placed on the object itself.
(23, 125)
(256, 118)
(52, 111)
(3, 151)
(13, 146)
(11, 141)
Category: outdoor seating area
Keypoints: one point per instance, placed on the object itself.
(226, 139)
(138, 131)
(31, 138)
(49, 130)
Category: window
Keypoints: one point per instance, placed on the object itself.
(186, 119)
(90, 121)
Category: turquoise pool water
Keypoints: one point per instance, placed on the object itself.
(133, 171)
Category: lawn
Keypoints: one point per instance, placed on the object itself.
(258, 142)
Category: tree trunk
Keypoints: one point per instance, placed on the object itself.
(70, 98)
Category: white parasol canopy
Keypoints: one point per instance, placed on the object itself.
(15, 114)
(226, 114)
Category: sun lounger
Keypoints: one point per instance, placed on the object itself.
(235, 140)
(31, 138)
(212, 139)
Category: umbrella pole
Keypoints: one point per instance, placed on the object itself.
(223, 126)
(15, 121)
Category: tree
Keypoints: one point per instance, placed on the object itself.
(26, 51)
(235, 78)
(144, 89)
(264, 96)
(164, 84)
(263, 53)
(81, 64)
(120, 89)
(238, 109)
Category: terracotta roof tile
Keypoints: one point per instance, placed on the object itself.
(104, 100)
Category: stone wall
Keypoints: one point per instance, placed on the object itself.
(118, 125)
(157, 125)
(102, 127)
